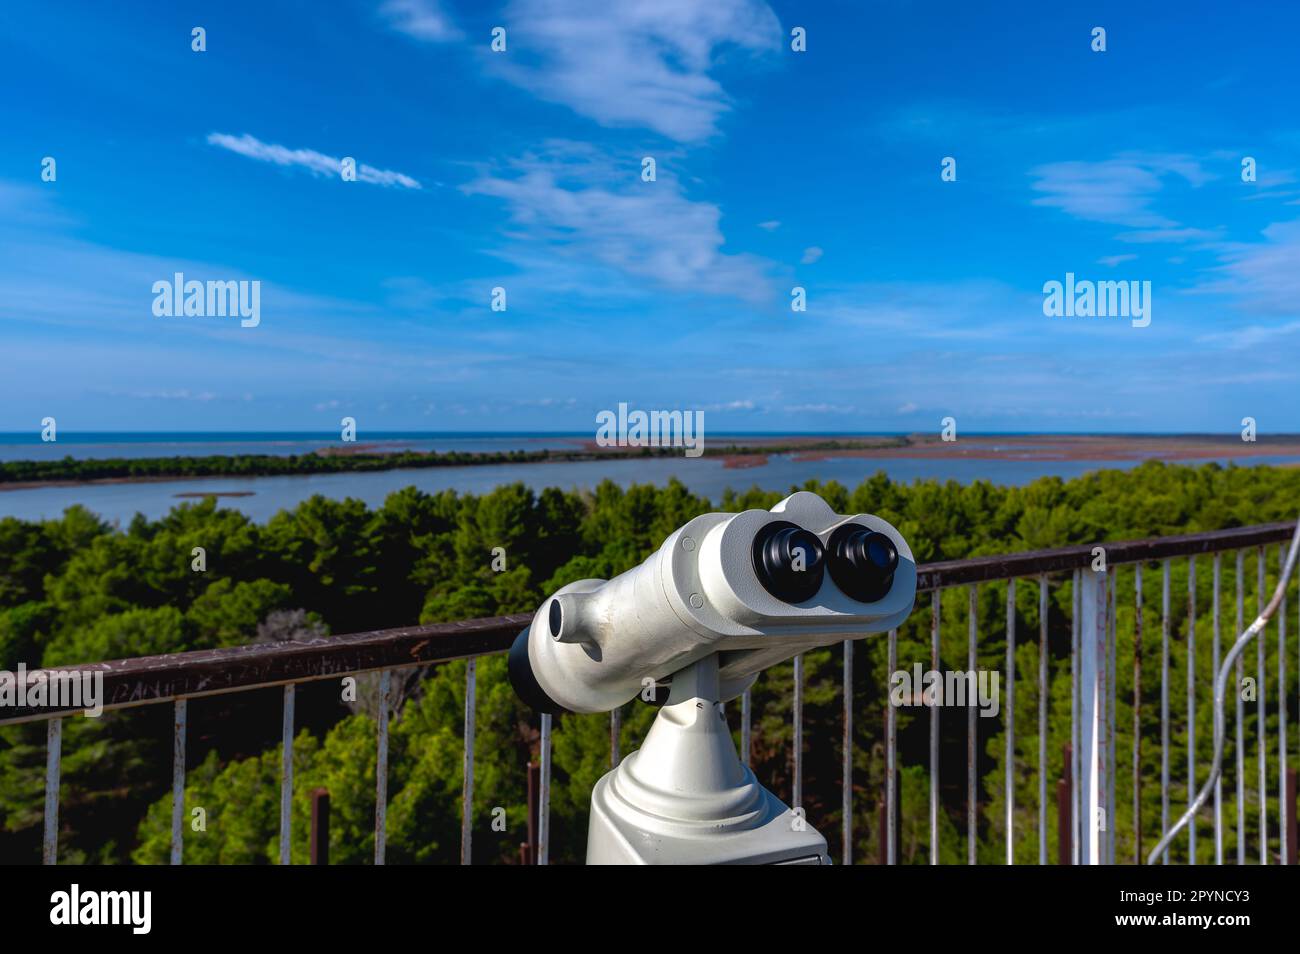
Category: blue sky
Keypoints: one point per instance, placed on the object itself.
(775, 169)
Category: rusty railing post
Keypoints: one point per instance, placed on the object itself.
(882, 849)
(1064, 815)
(528, 849)
(883, 854)
(1291, 808)
(320, 826)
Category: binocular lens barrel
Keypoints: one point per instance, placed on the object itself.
(862, 562)
(524, 681)
(789, 560)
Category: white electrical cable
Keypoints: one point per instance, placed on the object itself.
(1220, 688)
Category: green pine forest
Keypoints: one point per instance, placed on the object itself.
(77, 590)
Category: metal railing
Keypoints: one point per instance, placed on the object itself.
(1090, 770)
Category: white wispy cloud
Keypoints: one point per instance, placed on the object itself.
(315, 162)
(927, 311)
(1118, 191)
(575, 201)
(821, 408)
(1261, 276)
(811, 255)
(421, 19)
(179, 394)
(633, 64)
(769, 226)
(1169, 235)
(1252, 336)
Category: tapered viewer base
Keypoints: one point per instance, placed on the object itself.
(685, 797)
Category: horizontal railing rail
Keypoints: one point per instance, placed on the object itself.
(145, 680)
(179, 677)
(987, 569)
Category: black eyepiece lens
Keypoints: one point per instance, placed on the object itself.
(881, 552)
(862, 562)
(789, 561)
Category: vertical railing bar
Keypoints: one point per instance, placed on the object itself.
(846, 796)
(467, 789)
(745, 718)
(178, 780)
(53, 768)
(1218, 782)
(1261, 717)
(1164, 703)
(970, 728)
(891, 761)
(1075, 755)
(796, 798)
(1191, 704)
(318, 827)
(1011, 722)
(936, 603)
(1094, 660)
(1137, 713)
(544, 801)
(1112, 712)
(381, 767)
(1241, 712)
(286, 776)
(1282, 807)
(615, 730)
(1042, 718)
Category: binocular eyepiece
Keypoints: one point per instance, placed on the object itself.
(750, 587)
(862, 562)
(791, 561)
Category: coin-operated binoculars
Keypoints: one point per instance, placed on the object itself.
(725, 596)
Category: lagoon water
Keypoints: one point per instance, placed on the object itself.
(28, 445)
(705, 476)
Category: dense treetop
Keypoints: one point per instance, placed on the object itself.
(76, 590)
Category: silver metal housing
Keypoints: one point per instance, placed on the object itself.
(595, 644)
